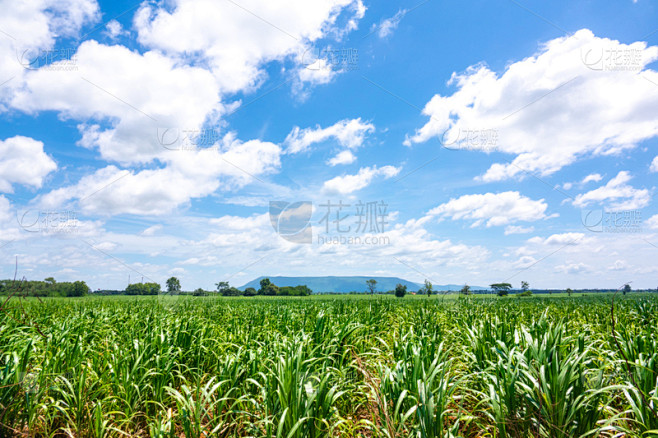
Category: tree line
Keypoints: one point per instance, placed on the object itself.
(46, 288)
(267, 288)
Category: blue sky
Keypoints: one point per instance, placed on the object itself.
(470, 142)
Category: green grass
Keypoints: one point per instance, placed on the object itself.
(329, 366)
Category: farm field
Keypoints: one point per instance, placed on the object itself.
(329, 366)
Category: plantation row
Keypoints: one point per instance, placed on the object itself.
(328, 367)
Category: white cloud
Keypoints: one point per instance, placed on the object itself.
(111, 191)
(593, 177)
(654, 165)
(388, 25)
(517, 229)
(493, 208)
(30, 29)
(150, 92)
(559, 239)
(23, 161)
(152, 230)
(551, 109)
(344, 157)
(573, 268)
(113, 30)
(347, 184)
(348, 133)
(620, 195)
(652, 222)
(618, 265)
(236, 40)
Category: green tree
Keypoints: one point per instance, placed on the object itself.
(569, 291)
(371, 285)
(400, 290)
(428, 288)
(525, 286)
(231, 292)
(250, 292)
(267, 288)
(199, 292)
(222, 286)
(303, 290)
(143, 289)
(79, 289)
(466, 290)
(173, 285)
(502, 289)
(50, 281)
(626, 289)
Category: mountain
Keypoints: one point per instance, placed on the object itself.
(348, 284)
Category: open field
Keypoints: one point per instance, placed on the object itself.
(332, 366)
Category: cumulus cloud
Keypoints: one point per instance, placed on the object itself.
(23, 161)
(593, 177)
(236, 40)
(159, 191)
(552, 108)
(343, 157)
(492, 209)
(30, 30)
(348, 133)
(346, 184)
(617, 193)
(114, 30)
(151, 92)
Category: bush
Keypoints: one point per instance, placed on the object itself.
(400, 291)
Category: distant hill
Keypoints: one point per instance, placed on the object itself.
(348, 284)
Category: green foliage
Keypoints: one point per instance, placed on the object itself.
(427, 288)
(143, 289)
(400, 290)
(466, 290)
(222, 287)
(47, 288)
(371, 285)
(173, 285)
(329, 366)
(501, 289)
(268, 288)
(79, 289)
(250, 292)
(231, 292)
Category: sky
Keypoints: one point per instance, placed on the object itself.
(460, 142)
